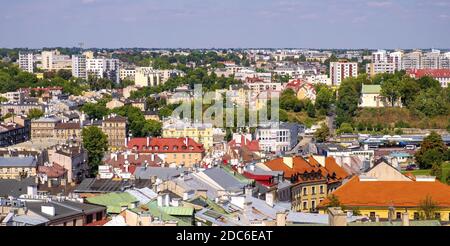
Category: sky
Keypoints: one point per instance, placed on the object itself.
(354, 24)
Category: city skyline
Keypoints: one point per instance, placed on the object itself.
(324, 24)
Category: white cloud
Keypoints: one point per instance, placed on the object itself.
(379, 4)
(87, 1)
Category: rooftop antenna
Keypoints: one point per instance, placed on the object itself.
(81, 45)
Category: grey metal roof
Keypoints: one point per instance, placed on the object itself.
(15, 188)
(60, 210)
(144, 195)
(27, 161)
(29, 220)
(163, 173)
(192, 182)
(224, 179)
(92, 185)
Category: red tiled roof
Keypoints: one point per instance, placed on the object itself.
(252, 145)
(54, 171)
(300, 165)
(435, 73)
(165, 145)
(253, 80)
(294, 84)
(98, 222)
(67, 125)
(356, 193)
(333, 167)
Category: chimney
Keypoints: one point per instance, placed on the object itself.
(148, 141)
(405, 219)
(249, 191)
(136, 156)
(289, 161)
(49, 210)
(281, 218)
(166, 200)
(160, 200)
(336, 217)
(31, 190)
(152, 157)
(270, 197)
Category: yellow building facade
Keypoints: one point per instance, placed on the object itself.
(203, 135)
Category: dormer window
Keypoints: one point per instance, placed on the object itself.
(166, 147)
(175, 147)
(191, 147)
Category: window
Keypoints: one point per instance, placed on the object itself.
(437, 216)
(321, 189)
(313, 190)
(305, 205)
(313, 205)
(305, 191)
(416, 216)
(89, 218)
(398, 215)
(74, 222)
(99, 216)
(372, 215)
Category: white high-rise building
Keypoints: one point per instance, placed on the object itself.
(342, 70)
(431, 60)
(102, 67)
(380, 67)
(147, 76)
(26, 61)
(379, 57)
(412, 60)
(53, 60)
(396, 58)
(79, 66)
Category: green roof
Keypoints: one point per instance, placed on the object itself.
(178, 211)
(371, 89)
(398, 223)
(113, 201)
(156, 211)
(239, 177)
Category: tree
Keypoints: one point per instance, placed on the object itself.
(345, 128)
(95, 110)
(64, 74)
(391, 90)
(153, 128)
(333, 201)
(96, 143)
(3, 99)
(324, 98)
(322, 133)
(35, 113)
(310, 109)
(432, 151)
(428, 207)
(431, 102)
(436, 170)
(348, 98)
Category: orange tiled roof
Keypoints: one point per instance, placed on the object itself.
(300, 165)
(356, 193)
(333, 167)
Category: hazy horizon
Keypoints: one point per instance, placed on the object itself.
(205, 24)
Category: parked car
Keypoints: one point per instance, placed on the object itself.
(411, 167)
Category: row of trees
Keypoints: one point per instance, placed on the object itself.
(433, 153)
(424, 97)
